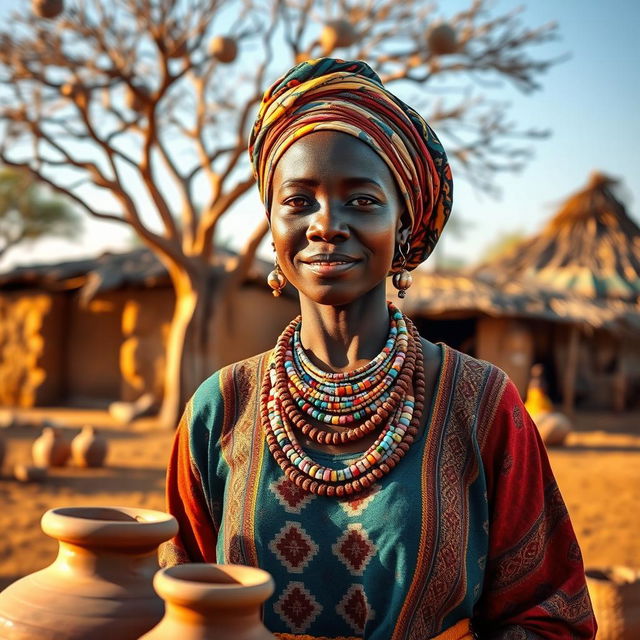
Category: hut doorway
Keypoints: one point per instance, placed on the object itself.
(459, 333)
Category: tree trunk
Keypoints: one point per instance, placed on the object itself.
(187, 351)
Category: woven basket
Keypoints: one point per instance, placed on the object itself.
(615, 594)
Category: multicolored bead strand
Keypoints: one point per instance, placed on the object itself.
(375, 395)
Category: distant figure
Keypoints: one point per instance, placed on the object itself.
(537, 401)
(554, 427)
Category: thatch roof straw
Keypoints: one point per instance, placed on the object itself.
(437, 295)
(105, 272)
(591, 247)
(110, 271)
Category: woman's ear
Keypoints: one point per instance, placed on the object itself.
(402, 235)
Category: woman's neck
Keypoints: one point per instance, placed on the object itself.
(345, 337)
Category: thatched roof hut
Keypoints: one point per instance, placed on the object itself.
(591, 247)
(457, 295)
(578, 281)
(109, 271)
(93, 331)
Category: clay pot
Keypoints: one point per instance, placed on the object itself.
(223, 49)
(553, 427)
(137, 97)
(442, 40)
(89, 448)
(29, 473)
(47, 8)
(212, 601)
(100, 585)
(615, 595)
(336, 34)
(51, 449)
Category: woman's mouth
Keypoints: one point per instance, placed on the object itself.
(329, 264)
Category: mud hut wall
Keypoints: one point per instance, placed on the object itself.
(608, 372)
(95, 338)
(509, 344)
(32, 342)
(145, 322)
(252, 324)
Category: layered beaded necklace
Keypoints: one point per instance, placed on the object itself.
(377, 395)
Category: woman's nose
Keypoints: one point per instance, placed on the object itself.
(327, 225)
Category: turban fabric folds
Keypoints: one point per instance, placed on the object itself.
(348, 96)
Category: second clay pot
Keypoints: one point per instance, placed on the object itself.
(212, 601)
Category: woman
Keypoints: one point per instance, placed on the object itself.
(394, 488)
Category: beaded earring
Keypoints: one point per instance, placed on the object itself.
(275, 279)
(402, 280)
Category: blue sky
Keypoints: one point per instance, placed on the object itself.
(590, 102)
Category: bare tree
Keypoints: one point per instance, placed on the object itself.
(27, 213)
(151, 101)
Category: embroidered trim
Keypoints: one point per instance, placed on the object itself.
(241, 420)
(518, 562)
(467, 391)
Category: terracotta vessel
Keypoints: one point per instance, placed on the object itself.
(553, 428)
(99, 586)
(89, 448)
(51, 449)
(615, 595)
(212, 601)
(29, 473)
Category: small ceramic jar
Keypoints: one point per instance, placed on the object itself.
(212, 601)
(51, 449)
(89, 448)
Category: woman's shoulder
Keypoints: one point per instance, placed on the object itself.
(235, 380)
(480, 388)
(474, 371)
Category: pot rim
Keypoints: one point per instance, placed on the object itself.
(613, 574)
(91, 525)
(195, 584)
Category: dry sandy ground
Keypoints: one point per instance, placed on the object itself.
(598, 472)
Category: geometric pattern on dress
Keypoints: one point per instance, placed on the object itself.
(514, 565)
(297, 607)
(507, 463)
(354, 549)
(518, 420)
(356, 505)
(293, 547)
(433, 593)
(355, 609)
(574, 608)
(290, 495)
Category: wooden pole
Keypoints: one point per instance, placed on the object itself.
(571, 369)
(619, 382)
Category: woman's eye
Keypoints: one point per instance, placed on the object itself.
(363, 201)
(296, 202)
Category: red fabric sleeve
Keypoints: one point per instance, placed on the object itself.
(535, 585)
(197, 536)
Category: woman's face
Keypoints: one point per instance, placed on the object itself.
(335, 217)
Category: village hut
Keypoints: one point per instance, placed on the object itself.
(567, 297)
(88, 332)
(591, 247)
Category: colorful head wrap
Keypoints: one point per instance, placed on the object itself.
(348, 96)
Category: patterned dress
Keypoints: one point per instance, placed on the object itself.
(470, 524)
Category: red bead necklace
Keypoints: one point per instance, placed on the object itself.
(374, 396)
